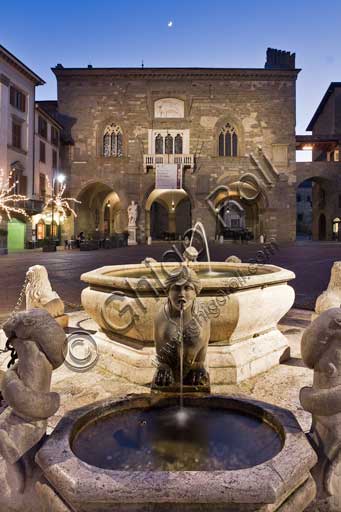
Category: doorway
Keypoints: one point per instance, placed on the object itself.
(16, 235)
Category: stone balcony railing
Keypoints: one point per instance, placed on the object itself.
(150, 161)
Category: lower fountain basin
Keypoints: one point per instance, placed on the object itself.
(131, 454)
(174, 439)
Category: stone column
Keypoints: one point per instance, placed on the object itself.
(171, 221)
(110, 220)
(147, 224)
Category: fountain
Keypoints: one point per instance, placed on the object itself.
(172, 450)
(199, 225)
(132, 454)
(168, 450)
(243, 301)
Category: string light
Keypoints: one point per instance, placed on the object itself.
(8, 198)
(60, 203)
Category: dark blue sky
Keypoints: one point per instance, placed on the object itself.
(217, 33)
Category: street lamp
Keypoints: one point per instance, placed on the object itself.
(60, 178)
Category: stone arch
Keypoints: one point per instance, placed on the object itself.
(251, 198)
(169, 201)
(316, 205)
(91, 213)
(151, 188)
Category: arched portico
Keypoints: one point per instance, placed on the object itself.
(167, 213)
(316, 209)
(100, 212)
(239, 208)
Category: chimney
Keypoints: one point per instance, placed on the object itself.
(279, 59)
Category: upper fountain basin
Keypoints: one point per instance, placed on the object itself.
(230, 276)
(242, 300)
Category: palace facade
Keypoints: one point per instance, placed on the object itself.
(231, 133)
(228, 134)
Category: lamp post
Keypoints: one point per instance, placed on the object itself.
(60, 178)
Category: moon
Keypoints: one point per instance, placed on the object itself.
(170, 24)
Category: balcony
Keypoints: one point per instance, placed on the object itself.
(150, 161)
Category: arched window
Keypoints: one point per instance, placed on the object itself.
(112, 141)
(178, 144)
(228, 141)
(159, 144)
(169, 144)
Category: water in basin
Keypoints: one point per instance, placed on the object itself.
(203, 273)
(161, 439)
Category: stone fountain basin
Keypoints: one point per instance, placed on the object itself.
(282, 483)
(243, 300)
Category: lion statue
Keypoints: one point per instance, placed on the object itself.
(39, 294)
(331, 297)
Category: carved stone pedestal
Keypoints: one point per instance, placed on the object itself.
(132, 235)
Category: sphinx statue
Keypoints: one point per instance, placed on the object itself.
(331, 297)
(37, 344)
(39, 294)
(321, 351)
(182, 287)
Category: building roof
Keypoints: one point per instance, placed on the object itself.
(43, 106)
(20, 66)
(174, 73)
(329, 92)
(64, 122)
(315, 140)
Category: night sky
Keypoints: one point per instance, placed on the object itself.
(205, 33)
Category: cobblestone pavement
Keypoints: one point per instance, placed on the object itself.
(311, 263)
